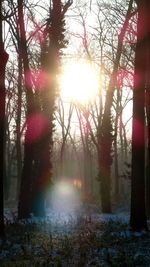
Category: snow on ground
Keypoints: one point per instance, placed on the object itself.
(63, 217)
(77, 236)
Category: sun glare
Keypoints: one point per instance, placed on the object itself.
(79, 82)
(64, 197)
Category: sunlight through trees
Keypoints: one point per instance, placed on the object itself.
(75, 116)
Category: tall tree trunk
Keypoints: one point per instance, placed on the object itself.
(50, 56)
(105, 136)
(116, 167)
(148, 113)
(148, 141)
(138, 211)
(4, 58)
(18, 126)
(24, 206)
(81, 126)
(147, 155)
(37, 166)
(7, 180)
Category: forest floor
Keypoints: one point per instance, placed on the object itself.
(73, 240)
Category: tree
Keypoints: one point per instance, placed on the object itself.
(24, 208)
(108, 53)
(37, 167)
(84, 125)
(138, 219)
(105, 138)
(61, 116)
(54, 42)
(148, 112)
(4, 58)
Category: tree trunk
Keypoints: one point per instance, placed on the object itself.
(4, 58)
(18, 126)
(24, 206)
(49, 64)
(138, 211)
(116, 165)
(148, 114)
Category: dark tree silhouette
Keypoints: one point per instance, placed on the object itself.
(24, 208)
(148, 110)
(50, 50)
(37, 167)
(3, 61)
(138, 220)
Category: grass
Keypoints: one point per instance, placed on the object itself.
(80, 243)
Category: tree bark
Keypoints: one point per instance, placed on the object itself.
(148, 111)
(50, 56)
(116, 165)
(4, 59)
(18, 126)
(24, 206)
(138, 220)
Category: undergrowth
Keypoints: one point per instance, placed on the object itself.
(79, 243)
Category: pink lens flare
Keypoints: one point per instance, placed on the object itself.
(38, 79)
(37, 125)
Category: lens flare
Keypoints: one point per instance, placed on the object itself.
(64, 198)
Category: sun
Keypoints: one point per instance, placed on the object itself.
(79, 82)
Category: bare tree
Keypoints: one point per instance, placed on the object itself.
(4, 58)
(64, 121)
(110, 54)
